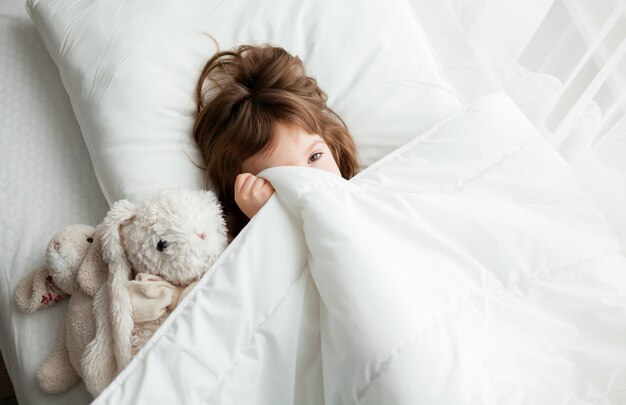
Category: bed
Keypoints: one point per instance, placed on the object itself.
(49, 181)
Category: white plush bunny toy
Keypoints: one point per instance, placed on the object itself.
(167, 241)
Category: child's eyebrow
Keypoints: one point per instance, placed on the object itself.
(314, 145)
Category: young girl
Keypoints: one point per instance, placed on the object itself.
(258, 109)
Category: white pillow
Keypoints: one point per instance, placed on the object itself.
(130, 68)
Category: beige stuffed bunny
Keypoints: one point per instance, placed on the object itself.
(154, 249)
(74, 269)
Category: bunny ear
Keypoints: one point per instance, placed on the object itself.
(93, 271)
(121, 211)
(98, 360)
(120, 311)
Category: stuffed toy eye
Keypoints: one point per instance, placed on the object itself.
(162, 245)
(90, 240)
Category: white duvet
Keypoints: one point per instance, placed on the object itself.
(467, 267)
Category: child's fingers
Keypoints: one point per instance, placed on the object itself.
(244, 182)
(251, 193)
(267, 191)
(239, 180)
(258, 184)
(262, 189)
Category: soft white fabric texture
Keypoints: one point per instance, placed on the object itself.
(130, 69)
(467, 267)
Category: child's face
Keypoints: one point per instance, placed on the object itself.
(293, 147)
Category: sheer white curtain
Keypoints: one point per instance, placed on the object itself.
(564, 63)
(572, 51)
(583, 44)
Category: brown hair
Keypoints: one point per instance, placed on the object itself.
(254, 88)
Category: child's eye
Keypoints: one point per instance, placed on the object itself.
(315, 156)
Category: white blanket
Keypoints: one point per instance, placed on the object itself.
(467, 267)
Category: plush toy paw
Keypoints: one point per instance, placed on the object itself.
(37, 290)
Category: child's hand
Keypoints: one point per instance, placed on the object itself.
(251, 193)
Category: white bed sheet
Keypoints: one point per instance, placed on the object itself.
(46, 183)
